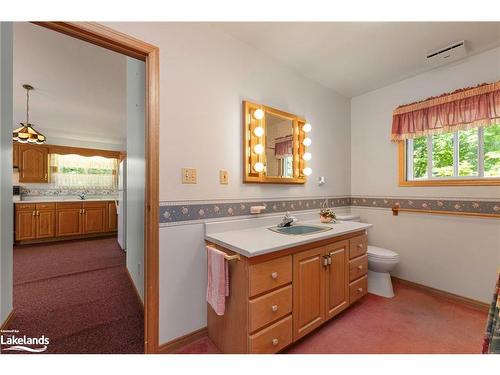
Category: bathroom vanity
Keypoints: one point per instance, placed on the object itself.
(282, 287)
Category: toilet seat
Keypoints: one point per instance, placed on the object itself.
(380, 253)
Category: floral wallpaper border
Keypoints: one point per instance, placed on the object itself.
(189, 211)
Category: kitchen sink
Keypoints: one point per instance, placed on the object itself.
(300, 229)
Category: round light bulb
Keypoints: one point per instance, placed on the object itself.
(307, 127)
(259, 167)
(258, 131)
(258, 114)
(258, 149)
(307, 171)
(307, 156)
(307, 142)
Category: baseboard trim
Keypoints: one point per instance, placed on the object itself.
(7, 321)
(472, 303)
(135, 288)
(172, 346)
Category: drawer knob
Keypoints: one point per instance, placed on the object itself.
(274, 275)
(274, 308)
(360, 245)
(360, 290)
(275, 342)
(360, 267)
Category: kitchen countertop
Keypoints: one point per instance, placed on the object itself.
(259, 240)
(59, 200)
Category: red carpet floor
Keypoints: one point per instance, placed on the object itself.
(78, 294)
(411, 322)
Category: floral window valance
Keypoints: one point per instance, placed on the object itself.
(460, 110)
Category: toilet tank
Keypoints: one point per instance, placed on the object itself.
(349, 217)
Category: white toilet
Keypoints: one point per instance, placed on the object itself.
(380, 264)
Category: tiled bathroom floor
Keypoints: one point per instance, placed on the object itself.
(414, 321)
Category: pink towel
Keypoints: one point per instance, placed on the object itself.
(218, 280)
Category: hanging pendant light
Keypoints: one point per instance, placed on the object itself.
(26, 133)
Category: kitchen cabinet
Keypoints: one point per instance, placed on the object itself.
(37, 222)
(15, 154)
(277, 298)
(112, 217)
(34, 221)
(94, 217)
(33, 163)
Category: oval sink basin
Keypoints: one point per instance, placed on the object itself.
(299, 229)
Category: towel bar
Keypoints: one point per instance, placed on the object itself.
(226, 256)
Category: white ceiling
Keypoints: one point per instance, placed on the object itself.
(80, 89)
(352, 58)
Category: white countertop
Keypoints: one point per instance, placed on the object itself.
(69, 199)
(258, 240)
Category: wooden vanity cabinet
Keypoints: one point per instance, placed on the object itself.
(277, 298)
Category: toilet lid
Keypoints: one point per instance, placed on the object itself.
(380, 252)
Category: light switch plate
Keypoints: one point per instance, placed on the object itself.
(224, 177)
(189, 176)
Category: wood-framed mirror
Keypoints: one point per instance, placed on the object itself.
(274, 146)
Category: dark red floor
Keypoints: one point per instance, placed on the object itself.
(78, 294)
(411, 322)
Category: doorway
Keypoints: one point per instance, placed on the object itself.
(104, 37)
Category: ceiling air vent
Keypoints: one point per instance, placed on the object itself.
(445, 55)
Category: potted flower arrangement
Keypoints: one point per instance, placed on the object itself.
(326, 215)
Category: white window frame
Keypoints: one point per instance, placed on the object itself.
(456, 147)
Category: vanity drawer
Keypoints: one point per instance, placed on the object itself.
(25, 207)
(45, 206)
(358, 267)
(357, 246)
(358, 289)
(270, 275)
(270, 307)
(273, 338)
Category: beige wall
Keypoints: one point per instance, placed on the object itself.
(459, 255)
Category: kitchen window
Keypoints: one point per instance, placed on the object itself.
(69, 171)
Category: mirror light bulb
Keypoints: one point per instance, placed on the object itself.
(307, 156)
(258, 149)
(307, 142)
(258, 114)
(259, 167)
(307, 171)
(258, 131)
(307, 127)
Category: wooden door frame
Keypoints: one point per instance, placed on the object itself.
(113, 40)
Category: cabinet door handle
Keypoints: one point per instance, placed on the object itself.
(360, 267)
(325, 261)
(274, 275)
(274, 308)
(329, 260)
(360, 245)
(34, 213)
(275, 342)
(360, 290)
(38, 213)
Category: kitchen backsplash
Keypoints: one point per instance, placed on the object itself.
(51, 192)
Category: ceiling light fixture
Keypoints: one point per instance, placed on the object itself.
(26, 133)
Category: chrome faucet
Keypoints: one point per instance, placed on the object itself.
(287, 220)
(82, 196)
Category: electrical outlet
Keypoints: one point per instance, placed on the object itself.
(224, 177)
(189, 176)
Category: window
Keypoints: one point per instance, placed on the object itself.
(467, 156)
(83, 172)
